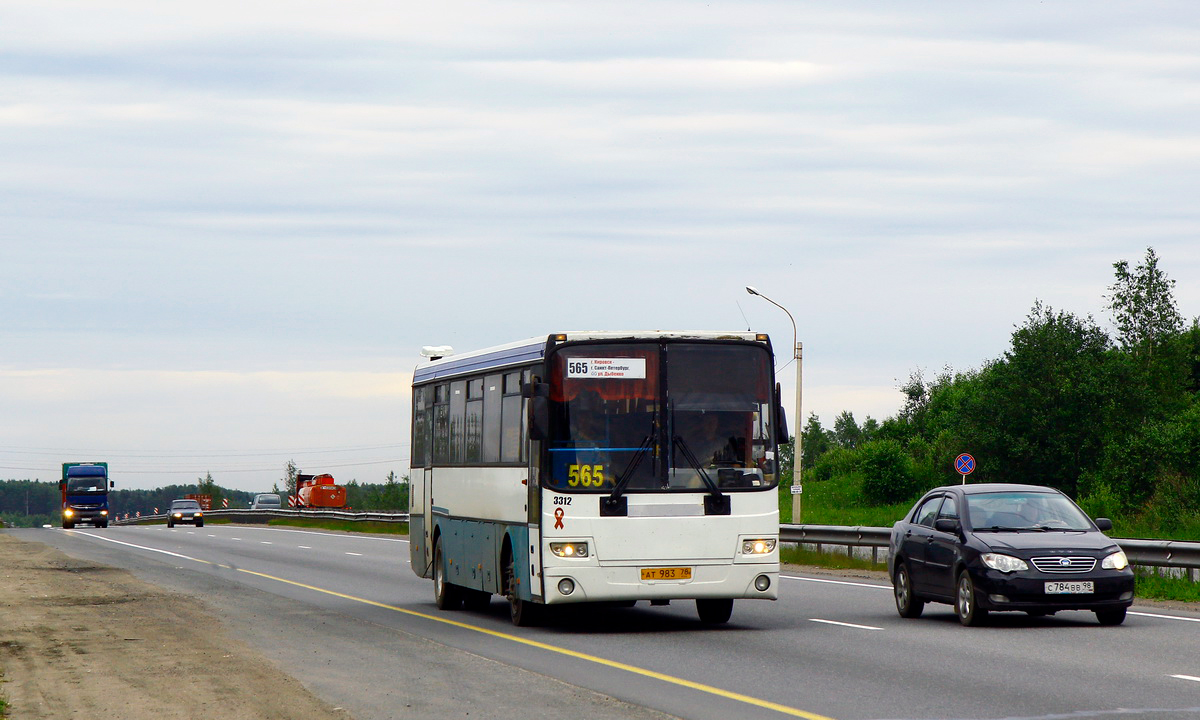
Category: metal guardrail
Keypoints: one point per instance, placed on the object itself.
(1153, 553)
(259, 515)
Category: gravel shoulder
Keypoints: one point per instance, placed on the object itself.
(88, 641)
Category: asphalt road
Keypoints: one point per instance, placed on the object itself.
(361, 630)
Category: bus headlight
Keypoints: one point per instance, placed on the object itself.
(104, 513)
(569, 549)
(758, 547)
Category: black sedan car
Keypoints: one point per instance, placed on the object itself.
(186, 511)
(1007, 547)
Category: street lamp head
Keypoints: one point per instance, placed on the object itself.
(751, 290)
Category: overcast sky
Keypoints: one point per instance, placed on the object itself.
(229, 227)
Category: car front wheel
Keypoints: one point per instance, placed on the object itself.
(1111, 617)
(966, 603)
(907, 603)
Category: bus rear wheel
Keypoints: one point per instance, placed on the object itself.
(714, 611)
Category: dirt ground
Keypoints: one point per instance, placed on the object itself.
(78, 640)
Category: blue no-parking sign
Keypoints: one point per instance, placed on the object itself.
(965, 465)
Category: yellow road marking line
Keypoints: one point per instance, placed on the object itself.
(757, 702)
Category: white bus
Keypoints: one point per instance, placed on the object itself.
(598, 467)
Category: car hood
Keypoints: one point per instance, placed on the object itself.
(1046, 541)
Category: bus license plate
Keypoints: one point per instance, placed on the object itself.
(667, 573)
(1068, 588)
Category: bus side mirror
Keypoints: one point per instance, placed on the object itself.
(112, 484)
(782, 436)
(538, 395)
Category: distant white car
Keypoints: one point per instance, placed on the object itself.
(266, 501)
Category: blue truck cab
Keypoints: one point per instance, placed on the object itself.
(85, 489)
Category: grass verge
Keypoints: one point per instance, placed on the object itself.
(1153, 586)
(792, 555)
(385, 528)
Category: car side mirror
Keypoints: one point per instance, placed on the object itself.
(1104, 524)
(947, 525)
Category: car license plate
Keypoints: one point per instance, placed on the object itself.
(667, 573)
(1068, 588)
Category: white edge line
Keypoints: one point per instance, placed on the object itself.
(143, 547)
(845, 624)
(837, 582)
(1193, 678)
(1164, 617)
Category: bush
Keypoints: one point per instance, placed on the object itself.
(887, 473)
(835, 462)
(1100, 500)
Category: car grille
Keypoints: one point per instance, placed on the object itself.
(1064, 565)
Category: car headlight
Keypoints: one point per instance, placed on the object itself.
(569, 549)
(178, 515)
(1116, 561)
(68, 513)
(758, 547)
(104, 512)
(1004, 563)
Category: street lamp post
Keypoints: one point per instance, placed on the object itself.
(798, 354)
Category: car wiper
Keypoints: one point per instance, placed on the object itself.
(691, 458)
(1003, 528)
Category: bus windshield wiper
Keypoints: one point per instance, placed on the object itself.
(691, 458)
(627, 474)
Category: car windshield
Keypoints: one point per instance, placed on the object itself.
(269, 500)
(1021, 510)
(185, 505)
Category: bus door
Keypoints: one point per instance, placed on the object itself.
(534, 513)
(427, 521)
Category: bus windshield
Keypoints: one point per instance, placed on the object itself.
(675, 416)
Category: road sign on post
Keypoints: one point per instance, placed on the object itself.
(965, 465)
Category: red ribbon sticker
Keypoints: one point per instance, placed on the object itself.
(558, 516)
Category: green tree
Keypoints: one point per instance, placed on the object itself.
(1143, 305)
(1036, 415)
(846, 432)
(814, 442)
(289, 477)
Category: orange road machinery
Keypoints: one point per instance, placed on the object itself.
(319, 491)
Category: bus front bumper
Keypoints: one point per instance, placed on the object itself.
(624, 582)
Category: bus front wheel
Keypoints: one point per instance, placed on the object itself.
(445, 594)
(714, 611)
(523, 613)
